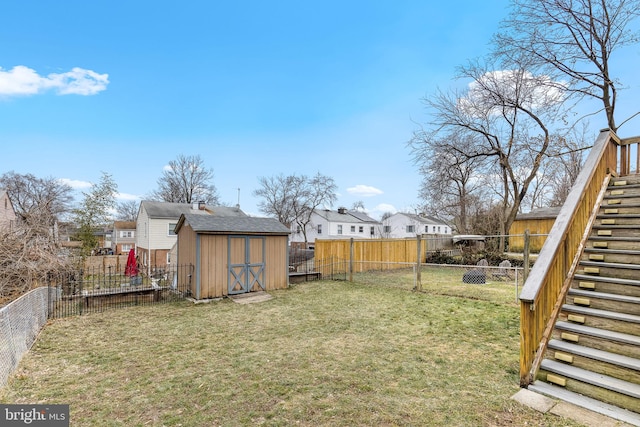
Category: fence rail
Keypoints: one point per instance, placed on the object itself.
(95, 290)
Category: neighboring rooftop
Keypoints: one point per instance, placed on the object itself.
(174, 210)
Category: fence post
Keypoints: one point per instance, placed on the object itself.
(525, 257)
(351, 259)
(419, 258)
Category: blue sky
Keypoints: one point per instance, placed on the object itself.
(255, 88)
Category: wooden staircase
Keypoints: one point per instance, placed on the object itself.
(593, 355)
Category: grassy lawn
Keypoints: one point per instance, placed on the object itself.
(320, 353)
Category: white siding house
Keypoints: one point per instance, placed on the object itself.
(155, 228)
(405, 225)
(340, 224)
(7, 213)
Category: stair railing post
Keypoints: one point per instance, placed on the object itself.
(525, 257)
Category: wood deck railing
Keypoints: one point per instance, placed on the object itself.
(549, 280)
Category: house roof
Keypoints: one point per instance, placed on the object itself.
(362, 216)
(347, 216)
(228, 224)
(124, 225)
(424, 219)
(174, 210)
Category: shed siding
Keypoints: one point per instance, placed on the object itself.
(535, 226)
(276, 268)
(214, 266)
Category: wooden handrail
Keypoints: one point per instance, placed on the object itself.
(544, 289)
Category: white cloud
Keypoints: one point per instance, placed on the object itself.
(75, 184)
(364, 191)
(22, 81)
(530, 90)
(380, 210)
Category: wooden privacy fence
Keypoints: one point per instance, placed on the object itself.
(365, 253)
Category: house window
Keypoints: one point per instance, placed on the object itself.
(361, 229)
(128, 234)
(386, 228)
(126, 248)
(299, 230)
(168, 257)
(410, 228)
(353, 228)
(426, 228)
(339, 228)
(372, 231)
(438, 229)
(446, 230)
(172, 226)
(319, 228)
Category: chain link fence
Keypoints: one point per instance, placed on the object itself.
(20, 322)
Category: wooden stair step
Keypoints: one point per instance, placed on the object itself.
(615, 238)
(610, 265)
(615, 227)
(607, 296)
(618, 216)
(617, 286)
(619, 281)
(609, 204)
(621, 194)
(595, 354)
(599, 312)
(611, 411)
(599, 380)
(614, 251)
(622, 338)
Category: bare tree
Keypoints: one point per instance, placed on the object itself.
(186, 180)
(292, 199)
(571, 41)
(37, 201)
(127, 210)
(28, 256)
(278, 194)
(449, 178)
(508, 115)
(358, 206)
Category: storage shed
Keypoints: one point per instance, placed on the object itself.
(233, 255)
(538, 222)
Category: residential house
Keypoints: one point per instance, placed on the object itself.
(155, 233)
(340, 224)
(405, 225)
(7, 213)
(123, 237)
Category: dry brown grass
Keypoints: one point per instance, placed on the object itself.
(322, 353)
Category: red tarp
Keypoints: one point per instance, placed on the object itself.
(132, 265)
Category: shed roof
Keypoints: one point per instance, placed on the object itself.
(174, 210)
(227, 224)
(540, 213)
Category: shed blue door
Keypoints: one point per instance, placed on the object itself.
(246, 264)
